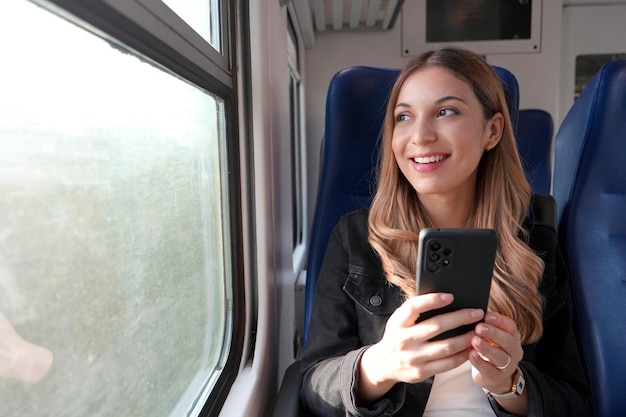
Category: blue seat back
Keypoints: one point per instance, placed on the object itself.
(590, 188)
(355, 108)
(534, 141)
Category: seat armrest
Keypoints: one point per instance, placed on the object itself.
(288, 402)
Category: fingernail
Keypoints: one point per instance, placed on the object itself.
(476, 313)
(446, 297)
(490, 318)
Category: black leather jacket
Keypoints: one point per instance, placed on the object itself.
(353, 302)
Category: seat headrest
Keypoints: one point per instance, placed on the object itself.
(590, 188)
(599, 112)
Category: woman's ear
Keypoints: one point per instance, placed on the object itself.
(495, 127)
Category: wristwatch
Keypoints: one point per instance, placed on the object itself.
(519, 383)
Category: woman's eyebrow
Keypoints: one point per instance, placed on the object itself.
(438, 101)
(448, 98)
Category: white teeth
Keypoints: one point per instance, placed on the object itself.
(429, 159)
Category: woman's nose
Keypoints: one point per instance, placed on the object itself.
(422, 132)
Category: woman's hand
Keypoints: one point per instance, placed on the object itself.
(405, 354)
(497, 350)
(20, 359)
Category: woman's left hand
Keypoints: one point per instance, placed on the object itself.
(497, 351)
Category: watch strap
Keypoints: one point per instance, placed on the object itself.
(517, 389)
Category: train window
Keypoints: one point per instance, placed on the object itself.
(116, 287)
(297, 147)
(203, 16)
(587, 66)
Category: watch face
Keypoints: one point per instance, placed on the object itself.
(520, 382)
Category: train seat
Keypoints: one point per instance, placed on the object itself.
(589, 186)
(355, 108)
(534, 141)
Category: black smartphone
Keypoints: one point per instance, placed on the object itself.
(457, 261)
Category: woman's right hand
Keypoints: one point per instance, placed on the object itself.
(20, 359)
(405, 354)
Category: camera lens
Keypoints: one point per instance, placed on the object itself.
(434, 257)
(435, 246)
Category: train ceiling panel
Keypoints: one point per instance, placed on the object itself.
(354, 14)
(316, 16)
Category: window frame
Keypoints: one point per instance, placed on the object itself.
(154, 31)
(298, 152)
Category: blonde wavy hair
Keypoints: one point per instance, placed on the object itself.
(502, 200)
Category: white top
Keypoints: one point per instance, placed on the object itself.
(454, 393)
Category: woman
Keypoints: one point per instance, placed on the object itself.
(448, 160)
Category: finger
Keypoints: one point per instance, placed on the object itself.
(492, 354)
(502, 322)
(494, 340)
(484, 373)
(441, 349)
(410, 310)
(501, 330)
(482, 367)
(425, 369)
(488, 377)
(497, 347)
(441, 323)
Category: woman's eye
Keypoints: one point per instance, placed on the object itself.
(402, 117)
(446, 112)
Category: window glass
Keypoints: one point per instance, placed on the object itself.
(114, 295)
(587, 66)
(297, 155)
(202, 15)
(296, 161)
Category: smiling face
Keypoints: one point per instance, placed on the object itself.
(440, 134)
